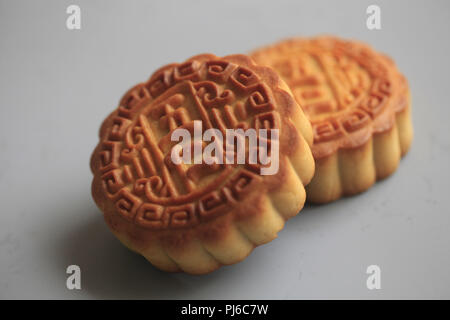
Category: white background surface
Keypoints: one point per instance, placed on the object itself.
(57, 85)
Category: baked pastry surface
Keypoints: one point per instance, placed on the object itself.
(196, 217)
(359, 107)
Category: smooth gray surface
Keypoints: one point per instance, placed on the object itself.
(57, 85)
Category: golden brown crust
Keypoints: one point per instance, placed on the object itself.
(358, 105)
(195, 218)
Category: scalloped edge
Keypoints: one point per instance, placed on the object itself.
(352, 171)
(203, 253)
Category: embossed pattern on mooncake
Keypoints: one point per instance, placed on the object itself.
(196, 217)
(351, 94)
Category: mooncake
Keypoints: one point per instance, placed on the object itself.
(358, 104)
(195, 217)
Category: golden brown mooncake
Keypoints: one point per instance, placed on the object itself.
(196, 217)
(359, 107)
